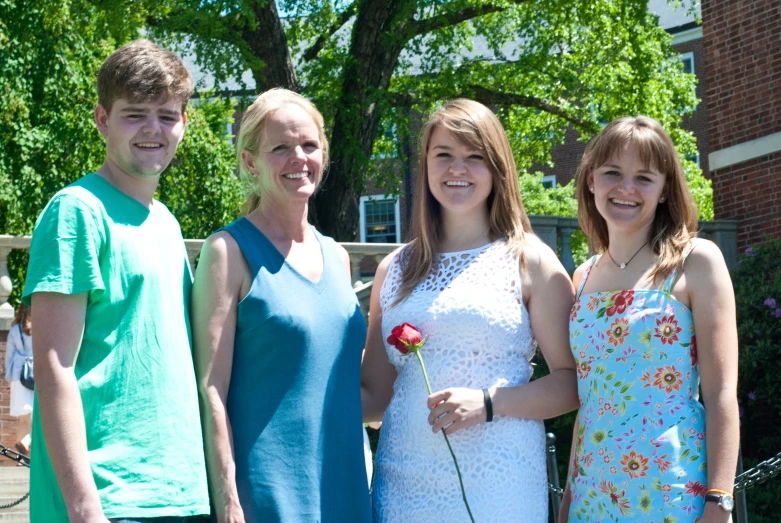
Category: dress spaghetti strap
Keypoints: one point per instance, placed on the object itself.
(582, 284)
(669, 282)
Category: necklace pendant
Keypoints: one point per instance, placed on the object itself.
(622, 266)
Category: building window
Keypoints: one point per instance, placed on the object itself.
(688, 62)
(379, 219)
(549, 181)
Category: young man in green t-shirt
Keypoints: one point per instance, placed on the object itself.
(116, 429)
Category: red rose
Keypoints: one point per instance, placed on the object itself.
(405, 337)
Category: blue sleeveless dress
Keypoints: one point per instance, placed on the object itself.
(640, 450)
(294, 399)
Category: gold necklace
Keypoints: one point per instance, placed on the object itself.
(622, 266)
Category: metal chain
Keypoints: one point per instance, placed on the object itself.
(754, 476)
(23, 460)
(18, 501)
(759, 474)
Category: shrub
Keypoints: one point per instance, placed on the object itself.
(757, 281)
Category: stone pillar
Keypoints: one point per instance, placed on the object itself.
(6, 286)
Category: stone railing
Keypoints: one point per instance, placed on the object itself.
(555, 231)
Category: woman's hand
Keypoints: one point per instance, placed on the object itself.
(456, 408)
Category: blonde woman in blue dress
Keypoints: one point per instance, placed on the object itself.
(654, 312)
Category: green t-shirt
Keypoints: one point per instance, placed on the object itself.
(135, 367)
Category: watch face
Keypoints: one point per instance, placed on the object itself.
(727, 503)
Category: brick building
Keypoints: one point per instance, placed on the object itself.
(742, 49)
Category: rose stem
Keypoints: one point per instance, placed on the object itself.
(455, 461)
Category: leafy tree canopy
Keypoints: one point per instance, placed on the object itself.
(544, 65)
(50, 53)
(372, 66)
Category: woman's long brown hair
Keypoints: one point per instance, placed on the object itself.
(476, 126)
(24, 318)
(675, 223)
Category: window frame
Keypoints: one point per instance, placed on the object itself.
(378, 198)
(688, 57)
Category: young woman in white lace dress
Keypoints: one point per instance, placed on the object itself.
(482, 288)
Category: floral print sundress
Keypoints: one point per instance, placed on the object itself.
(640, 446)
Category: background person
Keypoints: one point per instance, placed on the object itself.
(482, 287)
(19, 347)
(278, 337)
(654, 311)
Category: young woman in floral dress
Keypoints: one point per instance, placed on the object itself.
(654, 312)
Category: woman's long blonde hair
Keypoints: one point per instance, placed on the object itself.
(251, 130)
(476, 126)
(24, 318)
(675, 222)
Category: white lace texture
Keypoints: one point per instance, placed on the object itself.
(479, 336)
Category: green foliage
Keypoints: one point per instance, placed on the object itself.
(556, 201)
(757, 281)
(47, 135)
(200, 187)
(545, 66)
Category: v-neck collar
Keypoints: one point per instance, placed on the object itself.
(320, 283)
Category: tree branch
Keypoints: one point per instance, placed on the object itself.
(420, 27)
(488, 97)
(396, 99)
(179, 21)
(315, 48)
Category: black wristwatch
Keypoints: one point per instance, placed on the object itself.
(724, 499)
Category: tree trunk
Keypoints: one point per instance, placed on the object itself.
(379, 36)
(269, 43)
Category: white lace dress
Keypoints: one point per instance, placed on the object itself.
(478, 336)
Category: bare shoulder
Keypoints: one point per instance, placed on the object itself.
(343, 254)
(578, 274)
(220, 243)
(382, 268)
(705, 271)
(540, 258)
(704, 260)
(221, 251)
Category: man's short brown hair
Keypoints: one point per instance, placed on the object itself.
(142, 71)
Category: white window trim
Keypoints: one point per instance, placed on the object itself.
(549, 178)
(690, 56)
(362, 214)
(687, 36)
(745, 151)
